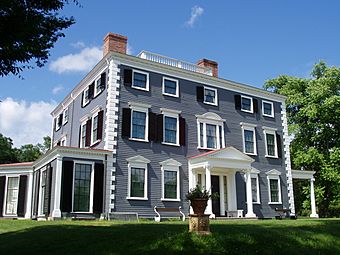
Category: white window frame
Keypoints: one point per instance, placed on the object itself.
(96, 92)
(249, 127)
(63, 141)
(172, 114)
(138, 107)
(92, 126)
(177, 87)
(91, 184)
(274, 175)
(85, 102)
(171, 165)
(65, 117)
(212, 119)
(255, 174)
(81, 133)
(147, 80)
(5, 195)
(57, 126)
(272, 105)
(138, 162)
(251, 104)
(216, 97)
(271, 131)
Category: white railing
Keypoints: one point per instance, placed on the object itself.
(174, 62)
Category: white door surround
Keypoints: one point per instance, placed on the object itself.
(223, 163)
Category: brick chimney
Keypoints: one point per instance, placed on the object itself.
(209, 63)
(115, 43)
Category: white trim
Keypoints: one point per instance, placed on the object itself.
(169, 111)
(92, 122)
(91, 184)
(272, 112)
(96, 92)
(270, 132)
(82, 124)
(274, 175)
(140, 108)
(256, 176)
(210, 119)
(215, 103)
(5, 196)
(171, 165)
(170, 114)
(65, 120)
(251, 104)
(85, 102)
(147, 80)
(133, 163)
(163, 87)
(249, 127)
(63, 141)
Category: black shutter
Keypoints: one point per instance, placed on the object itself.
(98, 191)
(82, 100)
(152, 127)
(88, 132)
(103, 81)
(2, 193)
(128, 77)
(255, 105)
(237, 102)
(67, 186)
(48, 189)
(79, 141)
(22, 196)
(200, 93)
(36, 192)
(100, 125)
(126, 123)
(160, 128)
(181, 131)
(279, 145)
(60, 120)
(54, 124)
(91, 91)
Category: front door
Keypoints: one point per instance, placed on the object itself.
(215, 188)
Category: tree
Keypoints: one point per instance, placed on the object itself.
(7, 153)
(28, 153)
(313, 110)
(46, 144)
(28, 30)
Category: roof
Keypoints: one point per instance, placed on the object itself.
(17, 164)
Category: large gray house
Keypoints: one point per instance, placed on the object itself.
(139, 132)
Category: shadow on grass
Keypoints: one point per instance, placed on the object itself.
(173, 238)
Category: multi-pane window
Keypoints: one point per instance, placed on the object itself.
(99, 86)
(65, 116)
(274, 190)
(83, 135)
(270, 138)
(249, 143)
(210, 96)
(95, 128)
(138, 125)
(12, 195)
(170, 184)
(43, 191)
(82, 187)
(201, 136)
(170, 87)
(170, 130)
(137, 184)
(267, 109)
(86, 96)
(140, 80)
(254, 189)
(246, 104)
(210, 128)
(211, 136)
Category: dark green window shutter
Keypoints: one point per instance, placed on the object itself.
(88, 132)
(237, 99)
(128, 77)
(255, 105)
(98, 191)
(182, 131)
(152, 126)
(160, 128)
(91, 91)
(103, 81)
(100, 125)
(21, 209)
(200, 93)
(2, 193)
(279, 145)
(48, 189)
(36, 192)
(67, 186)
(126, 123)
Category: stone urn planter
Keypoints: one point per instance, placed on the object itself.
(198, 205)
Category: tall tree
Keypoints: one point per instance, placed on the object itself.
(313, 110)
(28, 30)
(7, 153)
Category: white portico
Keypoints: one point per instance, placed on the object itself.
(215, 170)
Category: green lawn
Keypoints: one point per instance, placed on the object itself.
(228, 237)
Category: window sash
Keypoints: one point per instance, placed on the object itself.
(274, 190)
(254, 189)
(95, 129)
(246, 103)
(170, 87)
(249, 141)
(138, 124)
(211, 136)
(139, 80)
(170, 184)
(170, 130)
(83, 135)
(137, 183)
(209, 96)
(82, 187)
(270, 144)
(267, 108)
(12, 195)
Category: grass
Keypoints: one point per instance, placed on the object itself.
(228, 237)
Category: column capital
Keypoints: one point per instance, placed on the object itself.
(207, 166)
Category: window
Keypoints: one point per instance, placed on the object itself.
(274, 188)
(94, 129)
(210, 131)
(249, 138)
(170, 87)
(255, 188)
(65, 116)
(63, 141)
(210, 96)
(170, 180)
(137, 178)
(12, 195)
(58, 122)
(43, 191)
(83, 135)
(139, 121)
(82, 187)
(86, 97)
(267, 109)
(140, 80)
(270, 141)
(170, 126)
(98, 87)
(247, 104)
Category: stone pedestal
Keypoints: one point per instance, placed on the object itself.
(199, 224)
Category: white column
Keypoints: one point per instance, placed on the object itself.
(56, 213)
(208, 210)
(232, 196)
(312, 199)
(28, 213)
(222, 205)
(250, 212)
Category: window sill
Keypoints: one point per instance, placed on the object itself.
(81, 212)
(209, 149)
(247, 111)
(137, 198)
(57, 129)
(208, 103)
(170, 95)
(171, 144)
(85, 103)
(256, 203)
(269, 116)
(268, 156)
(139, 88)
(250, 154)
(275, 203)
(138, 140)
(64, 123)
(95, 142)
(170, 200)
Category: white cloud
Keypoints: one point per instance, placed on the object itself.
(25, 122)
(196, 11)
(78, 45)
(57, 89)
(79, 62)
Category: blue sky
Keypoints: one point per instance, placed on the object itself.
(251, 40)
